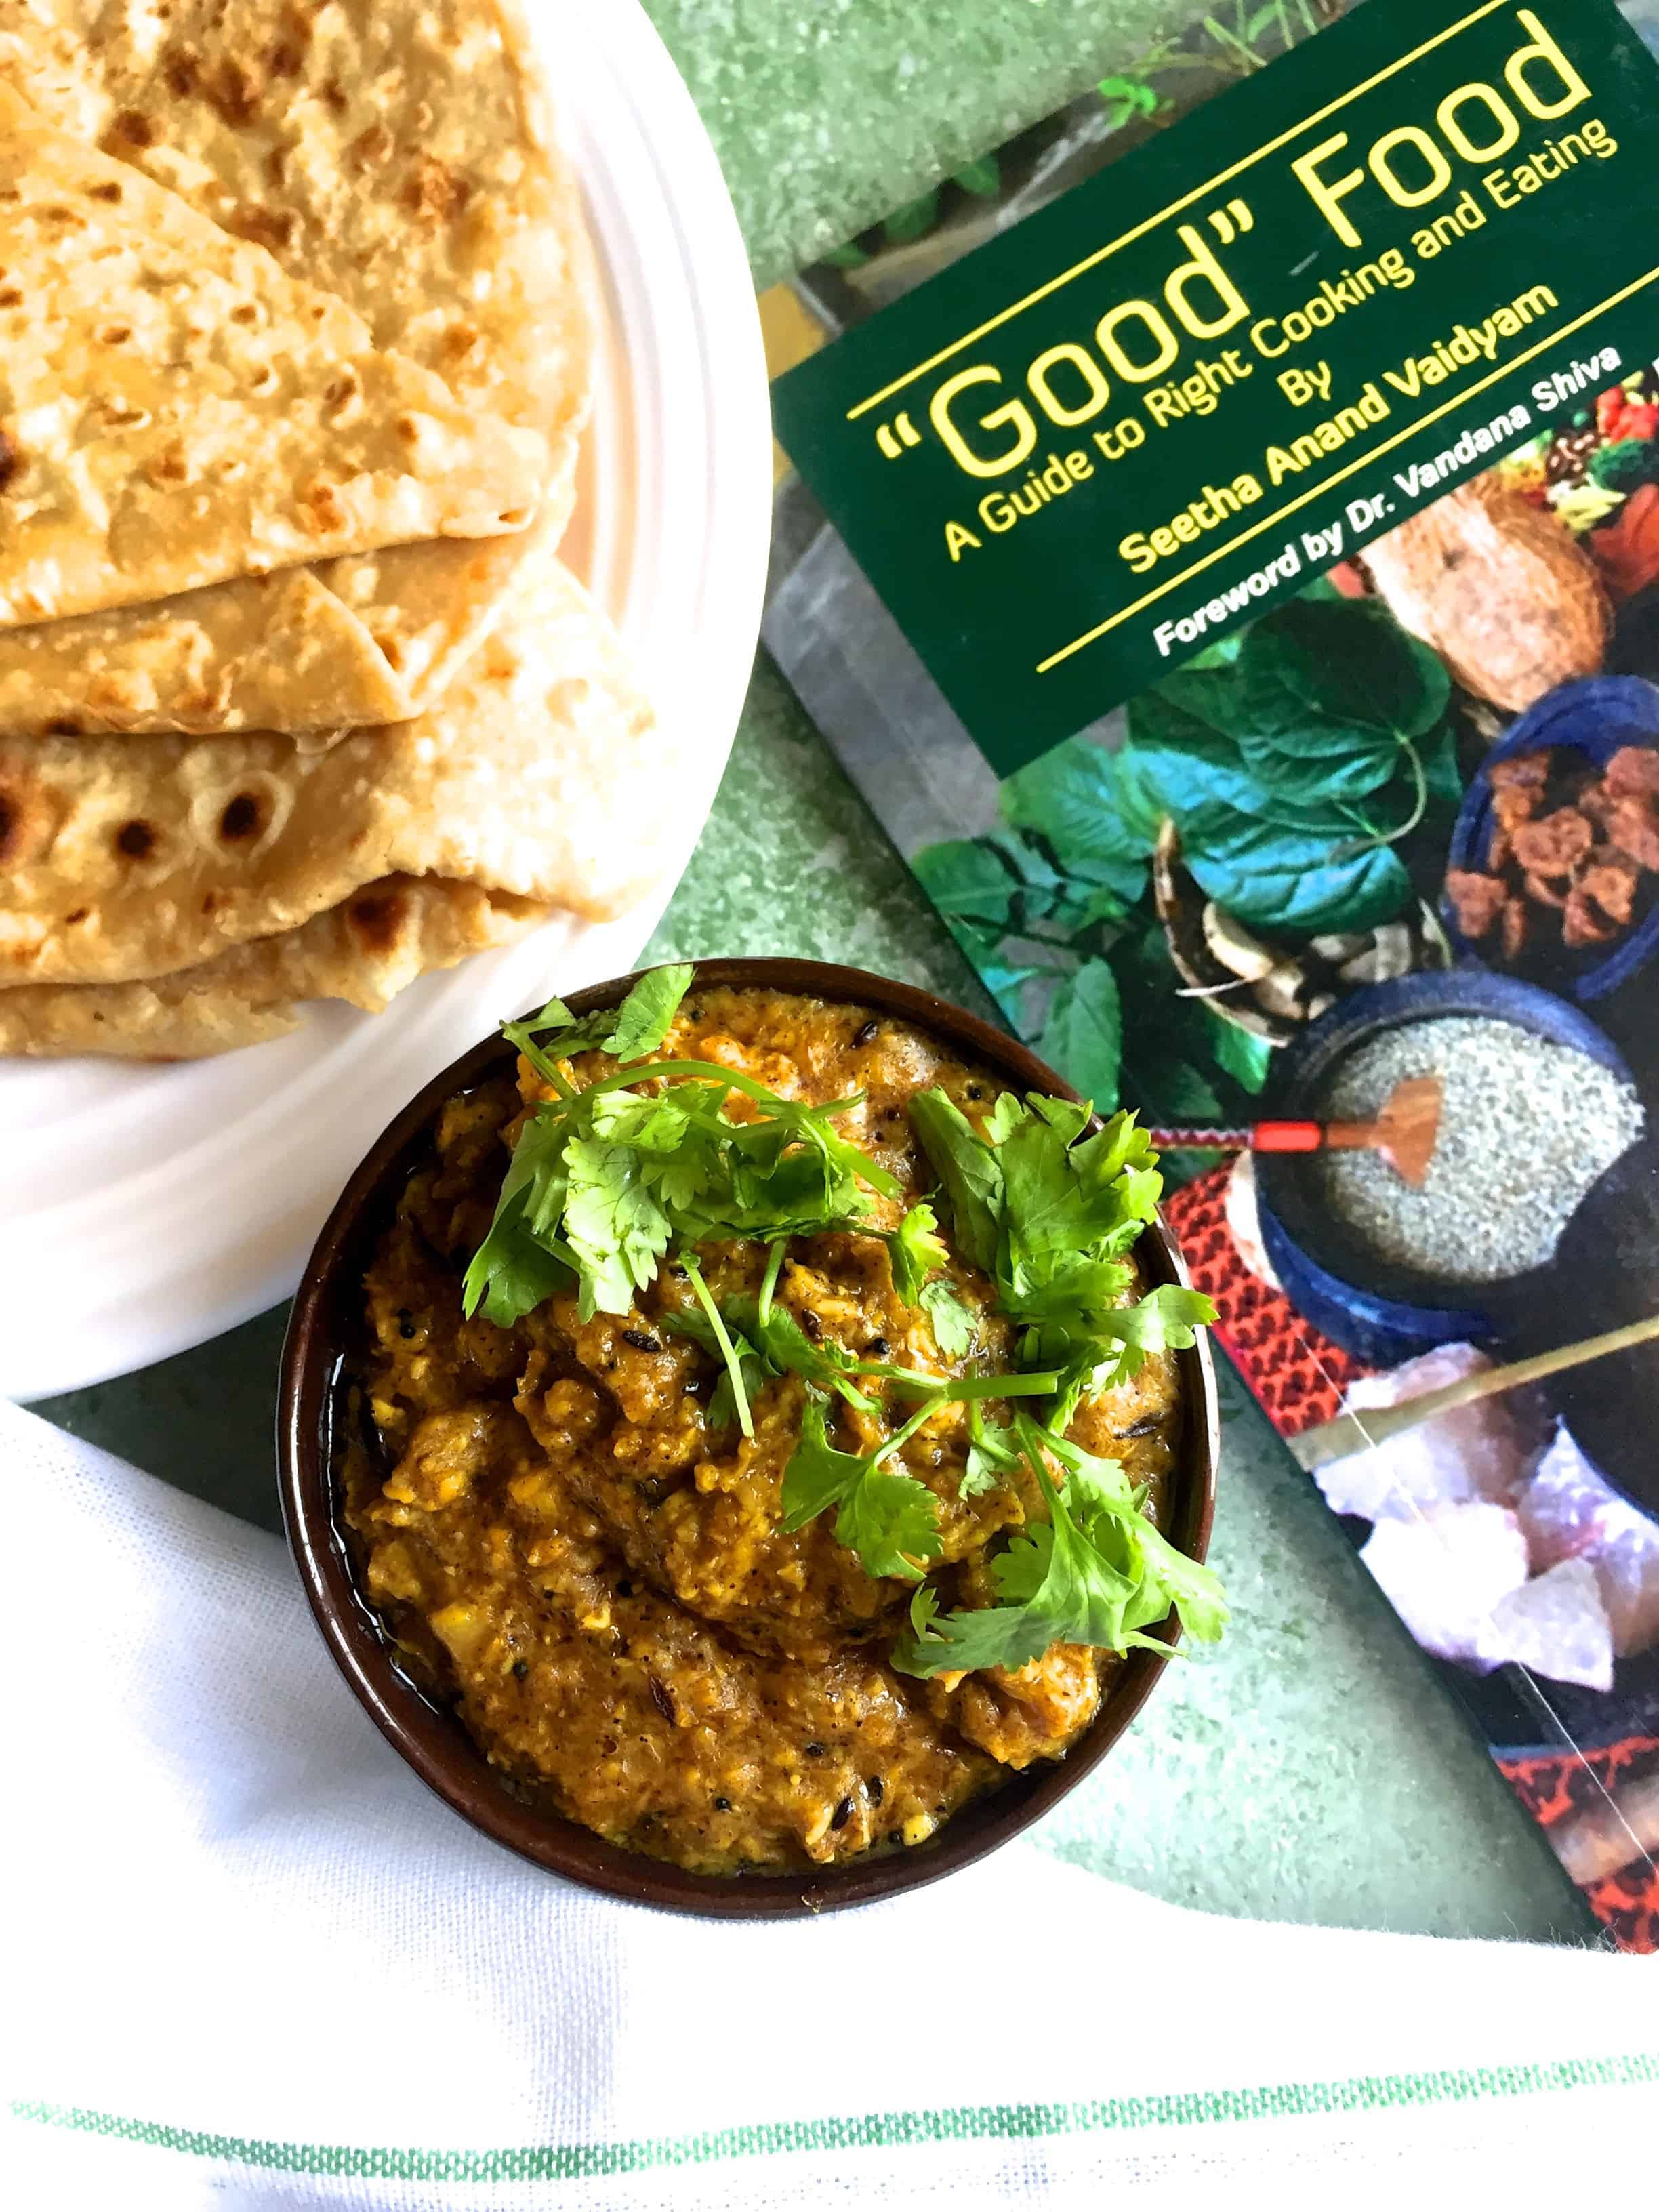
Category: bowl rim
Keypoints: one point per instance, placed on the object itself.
(431, 1741)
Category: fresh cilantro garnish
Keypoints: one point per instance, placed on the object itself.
(880, 1512)
(736, 1382)
(606, 1180)
(647, 1014)
(614, 1222)
(952, 1319)
(787, 1345)
(1060, 1211)
(915, 1251)
(969, 1174)
(515, 1269)
(781, 1345)
(891, 1521)
(511, 1273)
(991, 1458)
(612, 1176)
(1052, 1215)
(1096, 1572)
(636, 1027)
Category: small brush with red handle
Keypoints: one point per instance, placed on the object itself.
(1405, 1132)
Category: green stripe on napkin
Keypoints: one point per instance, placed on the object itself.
(871, 2131)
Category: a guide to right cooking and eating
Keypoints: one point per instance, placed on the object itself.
(1356, 900)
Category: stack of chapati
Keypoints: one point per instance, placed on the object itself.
(296, 699)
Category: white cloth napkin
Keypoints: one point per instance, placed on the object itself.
(254, 1964)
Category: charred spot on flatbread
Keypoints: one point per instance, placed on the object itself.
(378, 917)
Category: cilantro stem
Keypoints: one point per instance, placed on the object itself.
(545, 1067)
(733, 1364)
(965, 1387)
(784, 1110)
(957, 1393)
(769, 1282)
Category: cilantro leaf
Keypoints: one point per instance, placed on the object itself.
(788, 1345)
(778, 1344)
(891, 1521)
(630, 1030)
(1097, 1572)
(516, 1267)
(969, 1173)
(916, 1251)
(735, 1383)
(817, 1475)
(746, 1375)
(1067, 1200)
(991, 1458)
(613, 1223)
(565, 1032)
(953, 1320)
(511, 1273)
(627, 1173)
(1112, 1346)
(647, 1014)
(746, 1371)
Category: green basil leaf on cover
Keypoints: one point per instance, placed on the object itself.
(968, 878)
(1354, 662)
(1083, 1036)
(1242, 1053)
(1281, 881)
(1074, 798)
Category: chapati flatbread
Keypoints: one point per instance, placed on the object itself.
(284, 652)
(398, 153)
(364, 952)
(541, 772)
(175, 411)
(493, 301)
(261, 653)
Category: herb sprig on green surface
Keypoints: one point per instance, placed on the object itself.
(608, 1180)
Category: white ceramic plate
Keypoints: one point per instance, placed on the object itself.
(143, 1210)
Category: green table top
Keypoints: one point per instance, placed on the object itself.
(1310, 1768)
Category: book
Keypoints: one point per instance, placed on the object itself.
(1225, 554)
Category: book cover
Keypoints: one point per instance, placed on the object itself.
(1225, 553)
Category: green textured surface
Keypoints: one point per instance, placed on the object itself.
(1311, 1769)
(828, 115)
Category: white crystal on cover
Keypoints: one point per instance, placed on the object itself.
(1445, 1570)
(1569, 1512)
(1473, 1453)
(1557, 1625)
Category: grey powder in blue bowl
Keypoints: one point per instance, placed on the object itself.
(1525, 1128)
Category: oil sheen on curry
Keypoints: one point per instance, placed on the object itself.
(688, 1531)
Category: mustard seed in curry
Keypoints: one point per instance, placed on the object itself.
(725, 1520)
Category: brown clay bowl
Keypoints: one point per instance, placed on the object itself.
(432, 1738)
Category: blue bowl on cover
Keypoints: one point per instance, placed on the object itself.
(1598, 718)
(1380, 1311)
